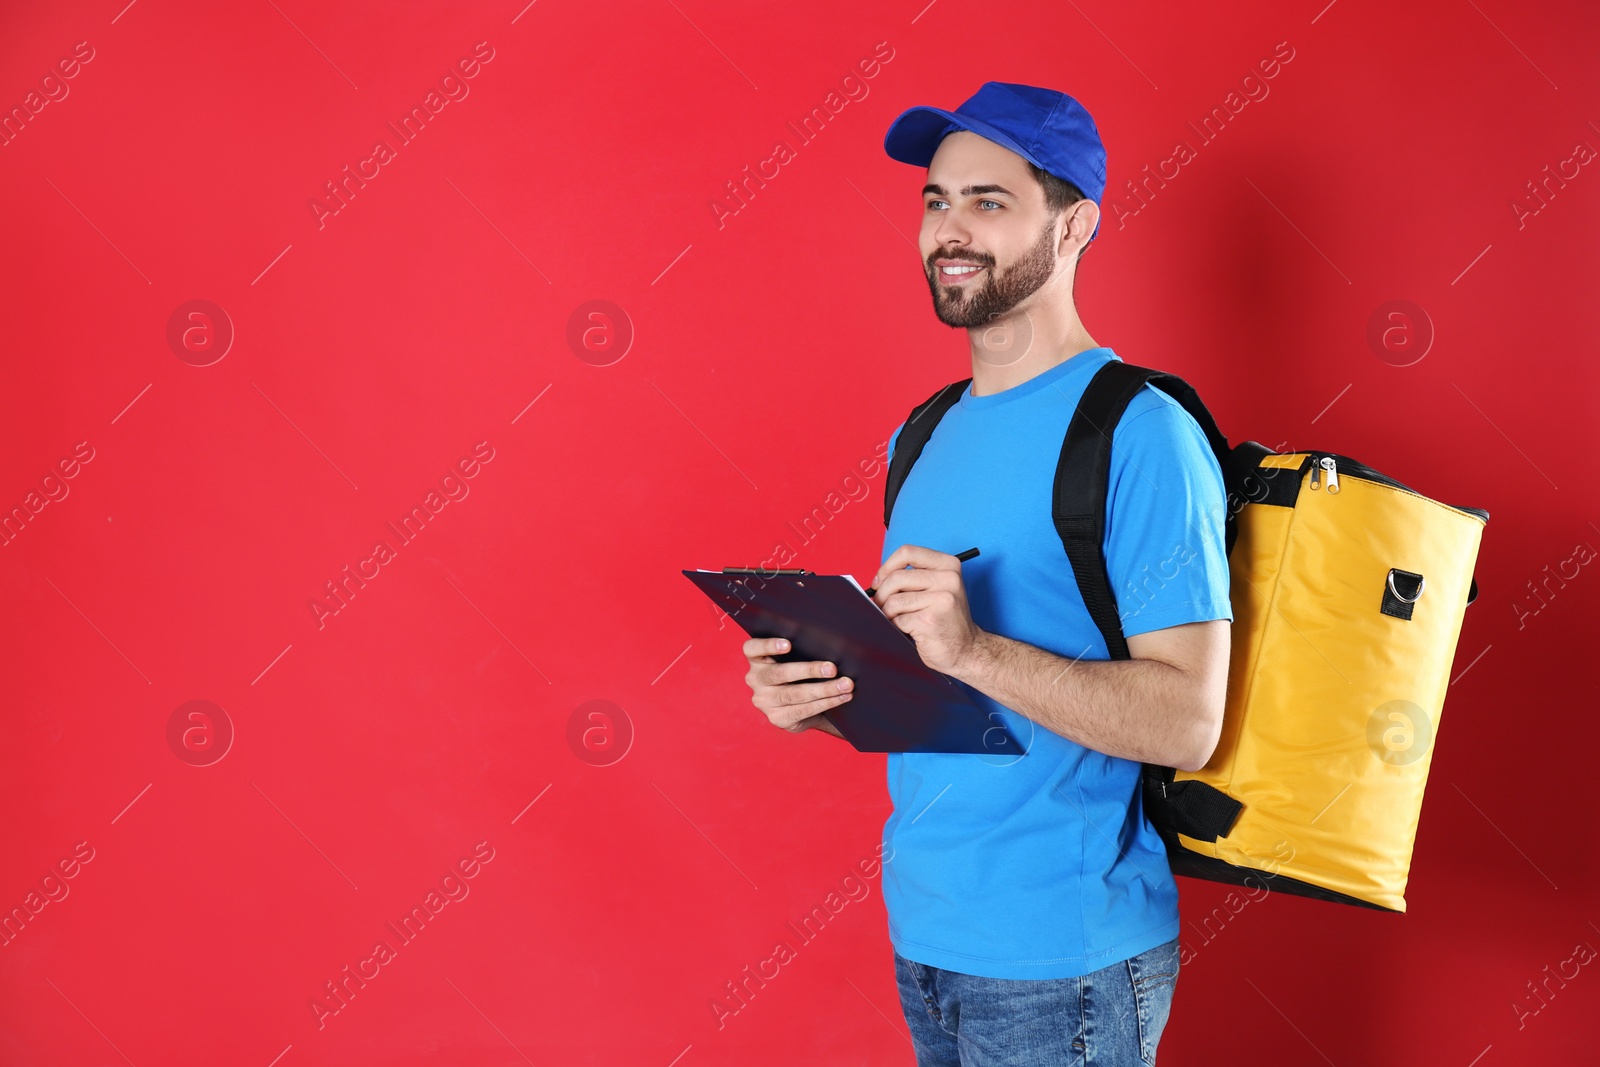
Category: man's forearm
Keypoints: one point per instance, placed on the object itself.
(1138, 709)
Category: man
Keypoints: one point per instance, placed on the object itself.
(1031, 907)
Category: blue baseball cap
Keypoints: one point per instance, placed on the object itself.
(1049, 129)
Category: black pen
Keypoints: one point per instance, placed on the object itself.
(962, 556)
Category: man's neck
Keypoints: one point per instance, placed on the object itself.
(995, 363)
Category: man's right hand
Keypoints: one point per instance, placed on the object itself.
(781, 693)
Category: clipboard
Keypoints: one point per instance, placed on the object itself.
(900, 704)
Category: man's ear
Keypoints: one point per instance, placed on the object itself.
(1086, 213)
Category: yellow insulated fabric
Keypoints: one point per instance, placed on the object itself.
(1334, 706)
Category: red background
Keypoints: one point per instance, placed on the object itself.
(772, 351)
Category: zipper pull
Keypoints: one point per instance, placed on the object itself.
(1316, 473)
(1333, 473)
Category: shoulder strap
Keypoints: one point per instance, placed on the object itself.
(913, 435)
(1191, 806)
(1083, 473)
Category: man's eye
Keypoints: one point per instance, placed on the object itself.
(996, 203)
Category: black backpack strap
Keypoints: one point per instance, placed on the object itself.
(914, 434)
(1082, 474)
(1190, 807)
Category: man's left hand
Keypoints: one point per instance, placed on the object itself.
(929, 602)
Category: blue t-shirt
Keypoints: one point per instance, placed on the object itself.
(1044, 865)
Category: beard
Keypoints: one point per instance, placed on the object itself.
(972, 305)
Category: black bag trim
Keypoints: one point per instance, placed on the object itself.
(1354, 468)
(1210, 869)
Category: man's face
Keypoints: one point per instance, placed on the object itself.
(982, 207)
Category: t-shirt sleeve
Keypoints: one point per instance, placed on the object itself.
(1166, 547)
(893, 438)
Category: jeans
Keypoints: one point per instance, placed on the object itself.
(1112, 1017)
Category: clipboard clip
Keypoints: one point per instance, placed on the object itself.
(759, 570)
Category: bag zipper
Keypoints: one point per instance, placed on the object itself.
(1326, 463)
(1329, 463)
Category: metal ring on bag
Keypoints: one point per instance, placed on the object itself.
(1421, 581)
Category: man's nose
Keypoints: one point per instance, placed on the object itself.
(950, 230)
